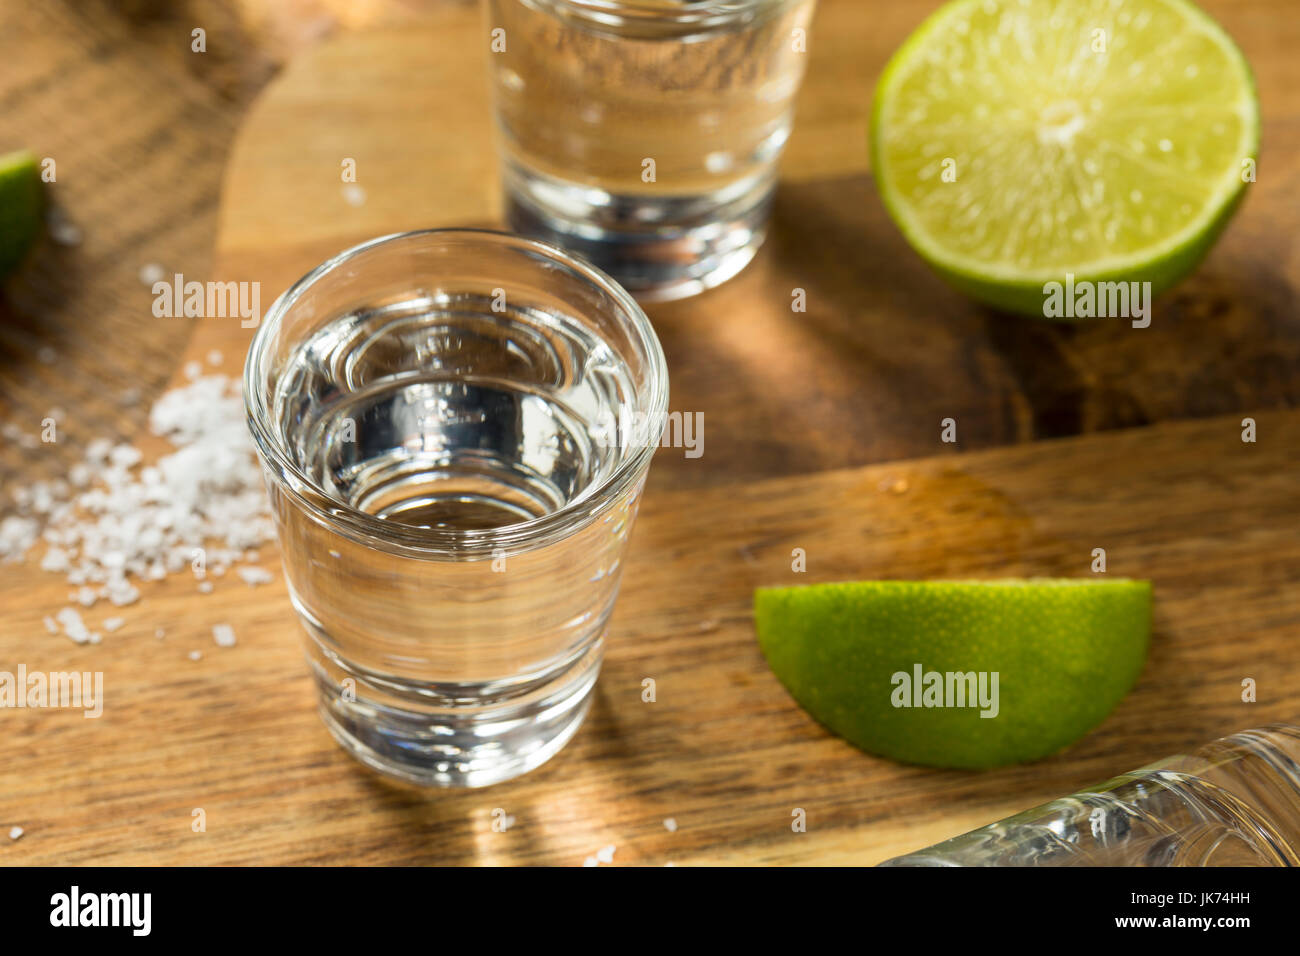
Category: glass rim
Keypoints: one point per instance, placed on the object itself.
(668, 7)
(522, 535)
(687, 12)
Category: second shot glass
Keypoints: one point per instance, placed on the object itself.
(644, 134)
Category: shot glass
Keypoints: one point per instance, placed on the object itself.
(455, 428)
(644, 134)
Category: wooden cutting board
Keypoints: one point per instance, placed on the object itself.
(796, 406)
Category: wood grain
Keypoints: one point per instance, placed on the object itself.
(795, 406)
(724, 750)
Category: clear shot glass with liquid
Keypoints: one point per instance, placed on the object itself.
(455, 428)
(645, 134)
(1233, 802)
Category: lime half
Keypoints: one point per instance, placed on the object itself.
(1018, 142)
(21, 201)
(957, 673)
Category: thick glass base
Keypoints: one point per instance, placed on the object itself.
(659, 248)
(445, 736)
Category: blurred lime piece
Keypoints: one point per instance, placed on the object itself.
(1017, 141)
(21, 203)
(1065, 652)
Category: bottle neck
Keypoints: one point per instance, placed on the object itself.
(1234, 802)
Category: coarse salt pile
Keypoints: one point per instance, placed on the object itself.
(113, 523)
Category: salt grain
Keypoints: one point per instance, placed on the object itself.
(121, 593)
(254, 576)
(15, 832)
(224, 635)
(670, 825)
(606, 854)
(195, 655)
(205, 587)
(112, 624)
(56, 559)
(17, 535)
(152, 272)
(65, 233)
(73, 626)
(124, 456)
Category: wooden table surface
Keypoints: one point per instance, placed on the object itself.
(821, 432)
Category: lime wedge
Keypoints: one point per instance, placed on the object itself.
(906, 669)
(1016, 142)
(21, 201)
